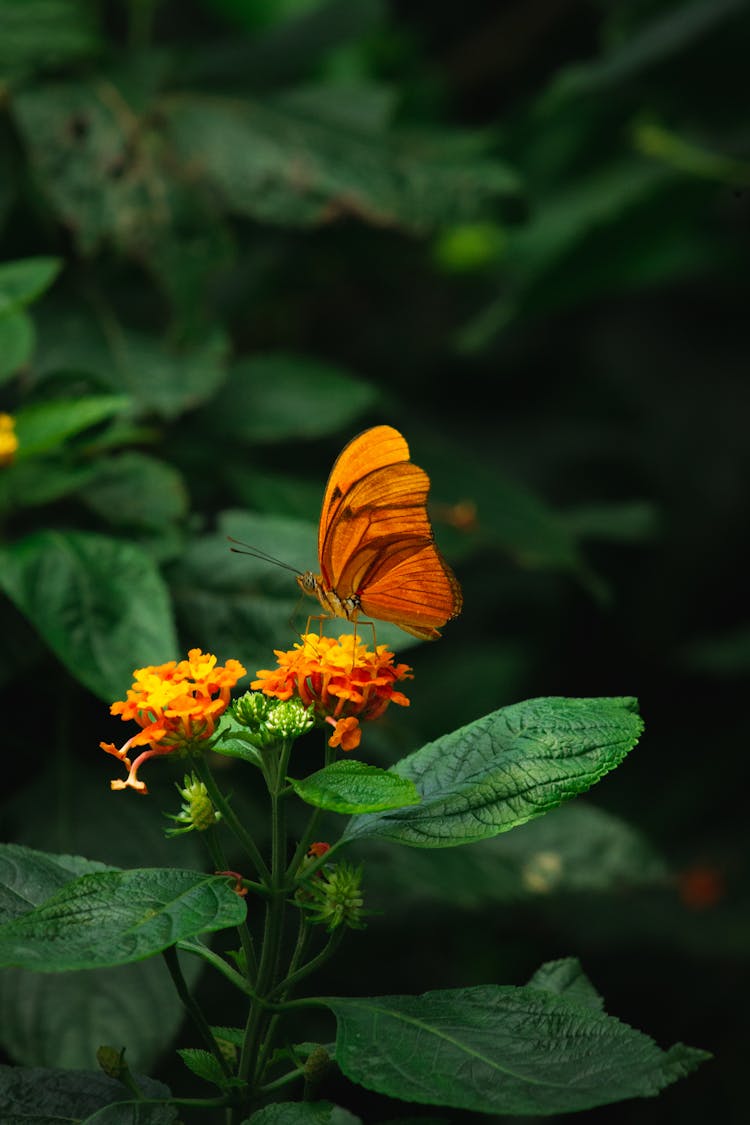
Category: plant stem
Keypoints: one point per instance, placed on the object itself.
(219, 963)
(230, 818)
(252, 1056)
(283, 1081)
(218, 857)
(173, 964)
(314, 963)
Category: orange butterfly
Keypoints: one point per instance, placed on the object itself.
(376, 551)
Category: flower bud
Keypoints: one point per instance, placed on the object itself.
(251, 709)
(112, 1061)
(289, 719)
(336, 897)
(197, 810)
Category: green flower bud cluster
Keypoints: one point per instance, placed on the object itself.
(270, 721)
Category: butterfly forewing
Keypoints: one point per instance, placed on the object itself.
(385, 507)
(371, 450)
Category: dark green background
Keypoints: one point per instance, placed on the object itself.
(519, 232)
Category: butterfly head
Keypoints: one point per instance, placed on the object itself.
(309, 583)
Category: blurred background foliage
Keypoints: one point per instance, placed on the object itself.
(235, 232)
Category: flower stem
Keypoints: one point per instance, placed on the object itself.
(252, 1056)
(219, 963)
(230, 818)
(295, 976)
(219, 859)
(175, 971)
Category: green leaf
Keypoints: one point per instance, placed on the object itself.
(302, 1113)
(42, 33)
(40, 480)
(16, 342)
(238, 604)
(505, 769)
(135, 490)
(88, 163)
(278, 164)
(501, 1050)
(355, 787)
(277, 397)
(29, 877)
(204, 1064)
(167, 380)
(23, 281)
(160, 377)
(43, 427)
(115, 917)
(40, 1096)
(565, 977)
(99, 603)
(61, 1019)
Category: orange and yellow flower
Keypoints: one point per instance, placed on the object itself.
(8, 439)
(174, 704)
(342, 680)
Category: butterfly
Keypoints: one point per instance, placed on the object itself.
(376, 549)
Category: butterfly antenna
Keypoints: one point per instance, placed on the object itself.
(241, 548)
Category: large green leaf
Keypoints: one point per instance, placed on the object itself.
(85, 156)
(132, 489)
(99, 603)
(40, 1096)
(21, 282)
(506, 768)
(16, 342)
(29, 877)
(44, 426)
(160, 377)
(28, 483)
(276, 397)
(114, 917)
(355, 787)
(302, 1113)
(541, 1049)
(61, 1019)
(276, 163)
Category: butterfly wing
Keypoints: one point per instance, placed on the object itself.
(376, 539)
(373, 449)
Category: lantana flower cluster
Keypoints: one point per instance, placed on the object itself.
(176, 705)
(341, 679)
